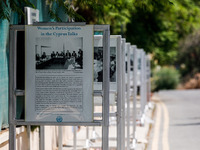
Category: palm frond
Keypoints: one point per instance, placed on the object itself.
(4, 11)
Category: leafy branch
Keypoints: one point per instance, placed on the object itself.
(6, 7)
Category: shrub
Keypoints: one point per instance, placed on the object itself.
(165, 78)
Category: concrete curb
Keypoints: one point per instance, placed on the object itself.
(143, 132)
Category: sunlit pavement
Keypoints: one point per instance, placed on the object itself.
(177, 121)
(94, 142)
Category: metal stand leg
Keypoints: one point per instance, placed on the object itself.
(42, 138)
(106, 89)
(133, 146)
(87, 144)
(75, 137)
(120, 110)
(93, 134)
(12, 137)
(28, 135)
(60, 135)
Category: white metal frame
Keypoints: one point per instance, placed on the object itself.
(127, 102)
(14, 92)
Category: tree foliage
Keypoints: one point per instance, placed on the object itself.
(66, 6)
(117, 13)
(6, 6)
(159, 29)
(155, 25)
(189, 55)
(113, 12)
(54, 7)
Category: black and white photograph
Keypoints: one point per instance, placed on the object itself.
(131, 61)
(98, 64)
(139, 63)
(65, 55)
(112, 64)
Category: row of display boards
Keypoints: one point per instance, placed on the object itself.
(63, 71)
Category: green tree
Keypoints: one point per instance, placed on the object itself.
(54, 7)
(113, 12)
(117, 13)
(189, 55)
(155, 25)
(7, 6)
(159, 29)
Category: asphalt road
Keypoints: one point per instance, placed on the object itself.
(177, 121)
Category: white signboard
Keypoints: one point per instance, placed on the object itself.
(98, 61)
(32, 15)
(132, 50)
(98, 66)
(127, 52)
(58, 73)
(139, 63)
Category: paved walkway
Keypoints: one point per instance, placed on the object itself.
(177, 121)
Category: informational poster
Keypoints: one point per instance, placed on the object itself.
(98, 66)
(132, 49)
(139, 56)
(148, 67)
(58, 73)
(98, 62)
(32, 15)
(127, 55)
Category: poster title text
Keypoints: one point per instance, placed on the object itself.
(52, 31)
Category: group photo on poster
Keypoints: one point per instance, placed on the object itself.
(98, 64)
(63, 56)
